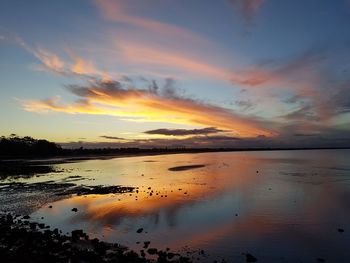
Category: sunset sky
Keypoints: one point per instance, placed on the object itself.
(233, 73)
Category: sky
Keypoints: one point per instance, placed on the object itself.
(166, 73)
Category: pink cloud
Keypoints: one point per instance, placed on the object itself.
(115, 11)
(140, 54)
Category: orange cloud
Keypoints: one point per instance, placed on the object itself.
(108, 98)
(77, 66)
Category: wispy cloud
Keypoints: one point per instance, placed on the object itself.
(305, 113)
(75, 66)
(307, 77)
(116, 11)
(112, 98)
(142, 54)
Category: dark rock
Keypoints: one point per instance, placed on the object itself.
(250, 258)
(321, 260)
(78, 234)
(139, 230)
(170, 255)
(75, 209)
(341, 230)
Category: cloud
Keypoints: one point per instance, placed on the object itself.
(245, 104)
(305, 134)
(141, 54)
(184, 132)
(112, 138)
(305, 112)
(132, 104)
(115, 11)
(75, 67)
(248, 8)
(308, 77)
(303, 68)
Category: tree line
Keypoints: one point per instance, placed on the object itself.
(16, 146)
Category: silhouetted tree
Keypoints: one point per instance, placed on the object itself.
(15, 146)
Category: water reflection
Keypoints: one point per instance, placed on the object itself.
(278, 205)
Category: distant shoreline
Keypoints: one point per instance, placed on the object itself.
(74, 155)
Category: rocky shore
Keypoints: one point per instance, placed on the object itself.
(24, 241)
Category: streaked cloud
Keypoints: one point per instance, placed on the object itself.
(141, 54)
(75, 66)
(184, 132)
(132, 104)
(307, 77)
(117, 11)
(112, 138)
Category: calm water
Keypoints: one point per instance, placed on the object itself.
(288, 211)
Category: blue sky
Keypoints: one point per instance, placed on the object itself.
(104, 72)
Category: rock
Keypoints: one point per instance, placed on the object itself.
(75, 209)
(321, 260)
(170, 255)
(139, 230)
(78, 234)
(50, 206)
(250, 258)
(340, 230)
(152, 251)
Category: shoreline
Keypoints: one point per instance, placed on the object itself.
(70, 158)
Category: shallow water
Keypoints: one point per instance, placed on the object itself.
(280, 206)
